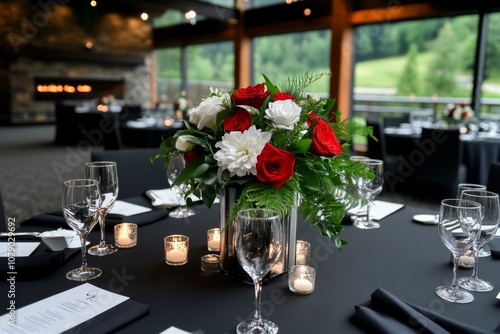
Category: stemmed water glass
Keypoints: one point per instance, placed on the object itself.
(370, 189)
(105, 173)
(174, 167)
(468, 186)
(80, 202)
(258, 246)
(489, 225)
(459, 225)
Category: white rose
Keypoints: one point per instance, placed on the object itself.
(205, 114)
(457, 114)
(183, 143)
(284, 114)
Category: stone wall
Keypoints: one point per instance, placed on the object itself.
(68, 39)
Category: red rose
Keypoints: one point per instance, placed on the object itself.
(324, 141)
(275, 165)
(190, 156)
(240, 121)
(251, 96)
(281, 96)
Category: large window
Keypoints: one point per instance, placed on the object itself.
(282, 56)
(415, 64)
(490, 89)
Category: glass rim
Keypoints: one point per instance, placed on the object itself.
(483, 193)
(100, 163)
(454, 202)
(476, 185)
(81, 182)
(272, 213)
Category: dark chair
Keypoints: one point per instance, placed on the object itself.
(136, 173)
(438, 163)
(377, 150)
(493, 183)
(395, 121)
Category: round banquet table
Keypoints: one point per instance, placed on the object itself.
(404, 257)
(477, 153)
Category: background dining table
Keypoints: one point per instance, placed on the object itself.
(403, 256)
(478, 152)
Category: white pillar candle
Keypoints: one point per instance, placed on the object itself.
(300, 259)
(302, 285)
(176, 256)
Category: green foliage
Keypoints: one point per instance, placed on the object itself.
(408, 81)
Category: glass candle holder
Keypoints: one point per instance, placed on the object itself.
(301, 279)
(210, 263)
(176, 249)
(302, 252)
(213, 239)
(125, 235)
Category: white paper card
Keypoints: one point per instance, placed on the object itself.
(498, 296)
(61, 312)
(128, 209)
(379, 209)
(21, 249)
(167, 198)
(173, 330)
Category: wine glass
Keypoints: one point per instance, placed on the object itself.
(105, 173)
(459, 225)
(370, 189)
(485, 250)
(80, 202)
(174, 167)
(489, 225)
(258, 246)
(468, 186)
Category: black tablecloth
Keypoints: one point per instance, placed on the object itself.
(477, 154)
(403, 257)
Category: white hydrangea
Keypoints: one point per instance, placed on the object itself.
(239, 150)
(284, 114)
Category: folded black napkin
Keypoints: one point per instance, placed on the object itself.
(495, 248)
(385, 313)
(56, 219)
(113, 319)
(41, 262)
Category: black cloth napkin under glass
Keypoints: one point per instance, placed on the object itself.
(385, 313)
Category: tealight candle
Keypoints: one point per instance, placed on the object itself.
(176, 249)
(301, 279)
(210, 263)
(213, 239)
(302, 251)
(125, 235)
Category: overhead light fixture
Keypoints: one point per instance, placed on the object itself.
(93, 3)
(144, 16)
(191, 17)
(307, 11)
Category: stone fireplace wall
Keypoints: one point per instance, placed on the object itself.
(60, 39)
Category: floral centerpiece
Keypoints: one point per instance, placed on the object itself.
(274, 142)
(105, 100)
(457, 113)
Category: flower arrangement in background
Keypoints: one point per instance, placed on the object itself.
(105, 100)
(274, 142)
(457, 113)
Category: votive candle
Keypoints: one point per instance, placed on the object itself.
(213, 239)
(301, 279)
(125, 235)
(302, 252)
(176, 249)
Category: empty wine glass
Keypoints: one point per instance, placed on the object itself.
(370, 189)
(459, 225)
(468, 186)
(105, 173)
(258, 246)
(489, 225)
(174, 167)
(80, 202)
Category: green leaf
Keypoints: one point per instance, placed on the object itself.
(310, 179)
(300, 146)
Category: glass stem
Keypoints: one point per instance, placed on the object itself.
(368, 213)
(102, 215)
(476, 261)
(258, 289)
(454, 284)
(83, 241)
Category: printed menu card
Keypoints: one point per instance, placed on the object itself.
(60, 312)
